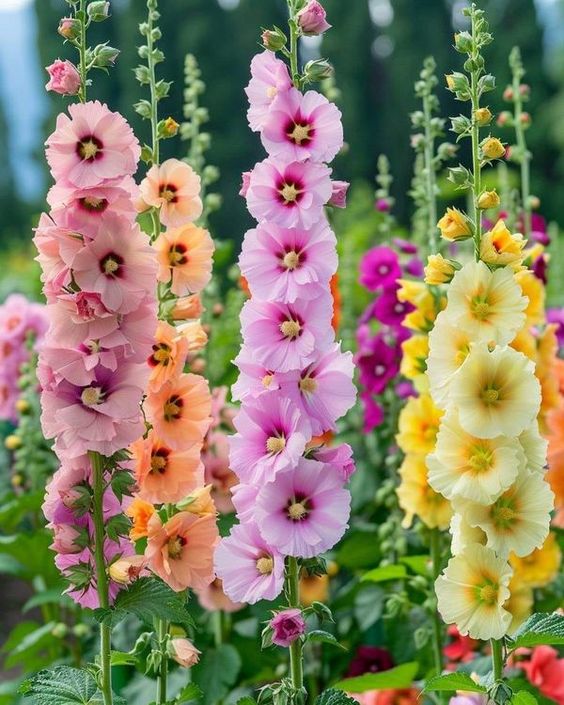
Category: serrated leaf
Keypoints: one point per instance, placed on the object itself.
(64, 686)
(217, 672)
(453, 682)
(332, 696)
(398, 677)
(384, 573)
(540, 628)
(323, 637)
(189, 693)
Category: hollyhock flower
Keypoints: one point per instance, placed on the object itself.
(269, 78)
(187, 307)
(57, 247)
(388, 309)
(125, 570)
(418, 425)
(404, 390)
(118, 264)
(183, 652)
(163, 474)
(373, 412)
(245, 181)
(286, 337)
(174, 188)
(300, 127)
(487, 305)
(8, 396)
(213, 599)
(244, 501)
(180, 410)
(369, 659)
(535, 448)
(496, 392)
(471, 592)
(91, 146)
(518, 520)
(540, 269)
(287, 626)
(304, 511)
(217, 470)
(379, 267)
(448, 348)
(185, 258)
(282, 264)
(405, 246)
(140, 513)
(459, 648)
(78, 366)
(254, 379)
(414, 267)
(556, 315)
(417, 498)
(65, 539)
(290, 195)
(540, 567)
(533, 290)
(271, 436)
(378, 364)
(323, 391)
(312, 19)
(181, 551)
(63, 78)
(168, 356)
(339, 194)
(545, 670)
(339, 457)
(499, 247)
(470, 468)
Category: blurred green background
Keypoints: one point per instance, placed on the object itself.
(377, 48)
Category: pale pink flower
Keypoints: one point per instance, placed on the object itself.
(269, 77)
(91, 146)
(244, 500)
(312, 19)
(339, 457)
(339, 194)
(254, 379)
(63, 78)
(57, 247)
(65, 539)
(183, 652)
(302, 127)
(174, 187)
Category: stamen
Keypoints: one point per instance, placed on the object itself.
(91, 396)
(297, 511)
(291, 260)
(289, 193)
(275, 444)
(308, 384)
(265, 565)
(290, 329)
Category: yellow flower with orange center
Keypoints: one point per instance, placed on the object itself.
(417, 498)
(500, 247)
(541, 566)
(140, 512)
(454, 225)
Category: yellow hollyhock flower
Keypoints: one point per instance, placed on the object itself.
(535, 448)
(438, 270)
(418, 425)
(417, 498)
(541, 566)
(475, 469)
(496, 393)
(471, 592)
(454, 225)
(500, 247)
(448, 348)
(524, 342)
(464, 535)
(487, 305)
(414, 356)
(427, 308)
(520, 603)
(411, 291)
(533, 289)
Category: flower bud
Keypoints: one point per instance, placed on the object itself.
(273, 39)
(167, 128)
(98, 11)
(383, 205)
(287, 626)
(504, 118)
(12, 442)
(525, 119)
(183, 652)
(22, 406)
(105, 56)
(488, 199)
(69, 28)
(64, 78)
(59, 630)
(534, 202)
(463, 42)
(199, 502)
(194, 333)
(126, 570)
(438, 270)
(524, 90)
(508, 94)
(483, 116)
(187, 307)
(339, 194)
(492, 148)
(312, 19)
(317, 70)
(454, 225)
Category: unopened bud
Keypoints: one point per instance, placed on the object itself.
(525, 119)
(534, 202)
(217, 309)
(488, 199)
(317, 70)
(22, 406)
(524, 90)
(168, 128)
(508, 94)
(98, 11)
(273, 39)
(483, 116)
(463, 42)
(492, 148)
(105, 56)
(69, 28)
(13, 442)
(504, 118)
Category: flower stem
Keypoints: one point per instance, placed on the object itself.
(430, 176)
(497, 659)
(293, 44)
(476, 166)
(152, 8)
(97, 463)
(435, 550)
(524, 154)
(82, 52)
(162, 680)
(296, 650)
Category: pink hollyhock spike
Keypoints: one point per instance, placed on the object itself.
(254, 379)
(290, 195)
(282, 264)
(323, 391)
(303, 511)
(250, 568)
(63, 78)
(91, 146)
(287, 626)
(271, 436)
(269, 78)
(300, 127)
(287, 337)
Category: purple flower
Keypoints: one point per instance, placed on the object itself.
(405, 390)
(304, 511)
(373, 412)
(251, 569)
(369, 659)
(539, 268)
(287, 626)
(378, 364)
(390, 310)
(405, 246)
(383, 205)
(379, 267)
(254, 379)
(414, 267)
(556, 315)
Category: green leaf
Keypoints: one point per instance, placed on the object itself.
(217, 672)
(54, 596)
(122, 658)
(398, 677)
(31, 645)
(189, 693)
(385, 572)
(418, 564)
(320, 636)
(523, 698)
(332, 696)
(540, 628)
(64, 686)
(246, 700)
(453, 682)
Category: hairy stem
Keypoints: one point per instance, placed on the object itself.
(82, 70)
(476, 166)
(162, 680)
(525, 158)
(497, 659)
(435, 549)
(296, 650)
(430, 177)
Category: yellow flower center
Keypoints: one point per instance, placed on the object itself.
(307, 384)
(289, 193)
(480, 459)
(291, 260)
(480, 308)
(175, 545)
(275, 444)
(91, 396)
(267, 381)
(490, 395)
(290, 329)
(110, 266)
(461, 355)
(265, 565)
(503, 513)
(93, 203)
(271, 91)
(162, 354)
(177, 255)
(488, 594)
(158, 464)
(88, 149)
(300, 133)
(167, 193)
(297, 511)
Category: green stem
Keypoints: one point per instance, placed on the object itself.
(152, 6)
(293, 44)
(97, 462)
(430, 180)
(296, 649)
(82, 53)
(218, 627)
(476, 166)
(525, 158)
(435, 549)
(162, 680)
(497, 659)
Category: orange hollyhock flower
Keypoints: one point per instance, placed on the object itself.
(163, 474)
(244, 286)
(337, 301)
(187, 307)
(174, 187)
(168, 358)
(140, 513)
(180, 411)
(185, 256)
(194, 334)
(181, 551)
(555, 474)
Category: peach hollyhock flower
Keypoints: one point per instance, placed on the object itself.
(168, 357)
(140, 513)
(181, 551)
(541, 566)
(63, 78)
(454, 225)
(163, 474)
(180, 411)
(183, 652)
(174, 187)
(417, 498)
(193, 333)
(185, 256)
(418, 425)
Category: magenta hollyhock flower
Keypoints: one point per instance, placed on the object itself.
(383, 205)
(286, 337)
(377, 363)
(63, 78)
(324, 390)
(370, 659)
(290, 195)
(287, 626)
(339, 194)
(302, 126)
(91, 146)
(339, 457)
(251, 569)
(390, 310)
(269, 78)
(539, 268)
(254, 379)
(271, 436)
(282, 264)
(118, 264)
(405, 389)
(373, 412)
(379, 267)
(414, 267)
(405, 246)
(312, 19)
(304, 510)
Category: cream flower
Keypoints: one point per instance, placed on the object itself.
(518, 521)
(471, 592)
(535, 448)
(487, 305)
(448, 348)
(496, 393)
(464, 535)
(477, 469)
